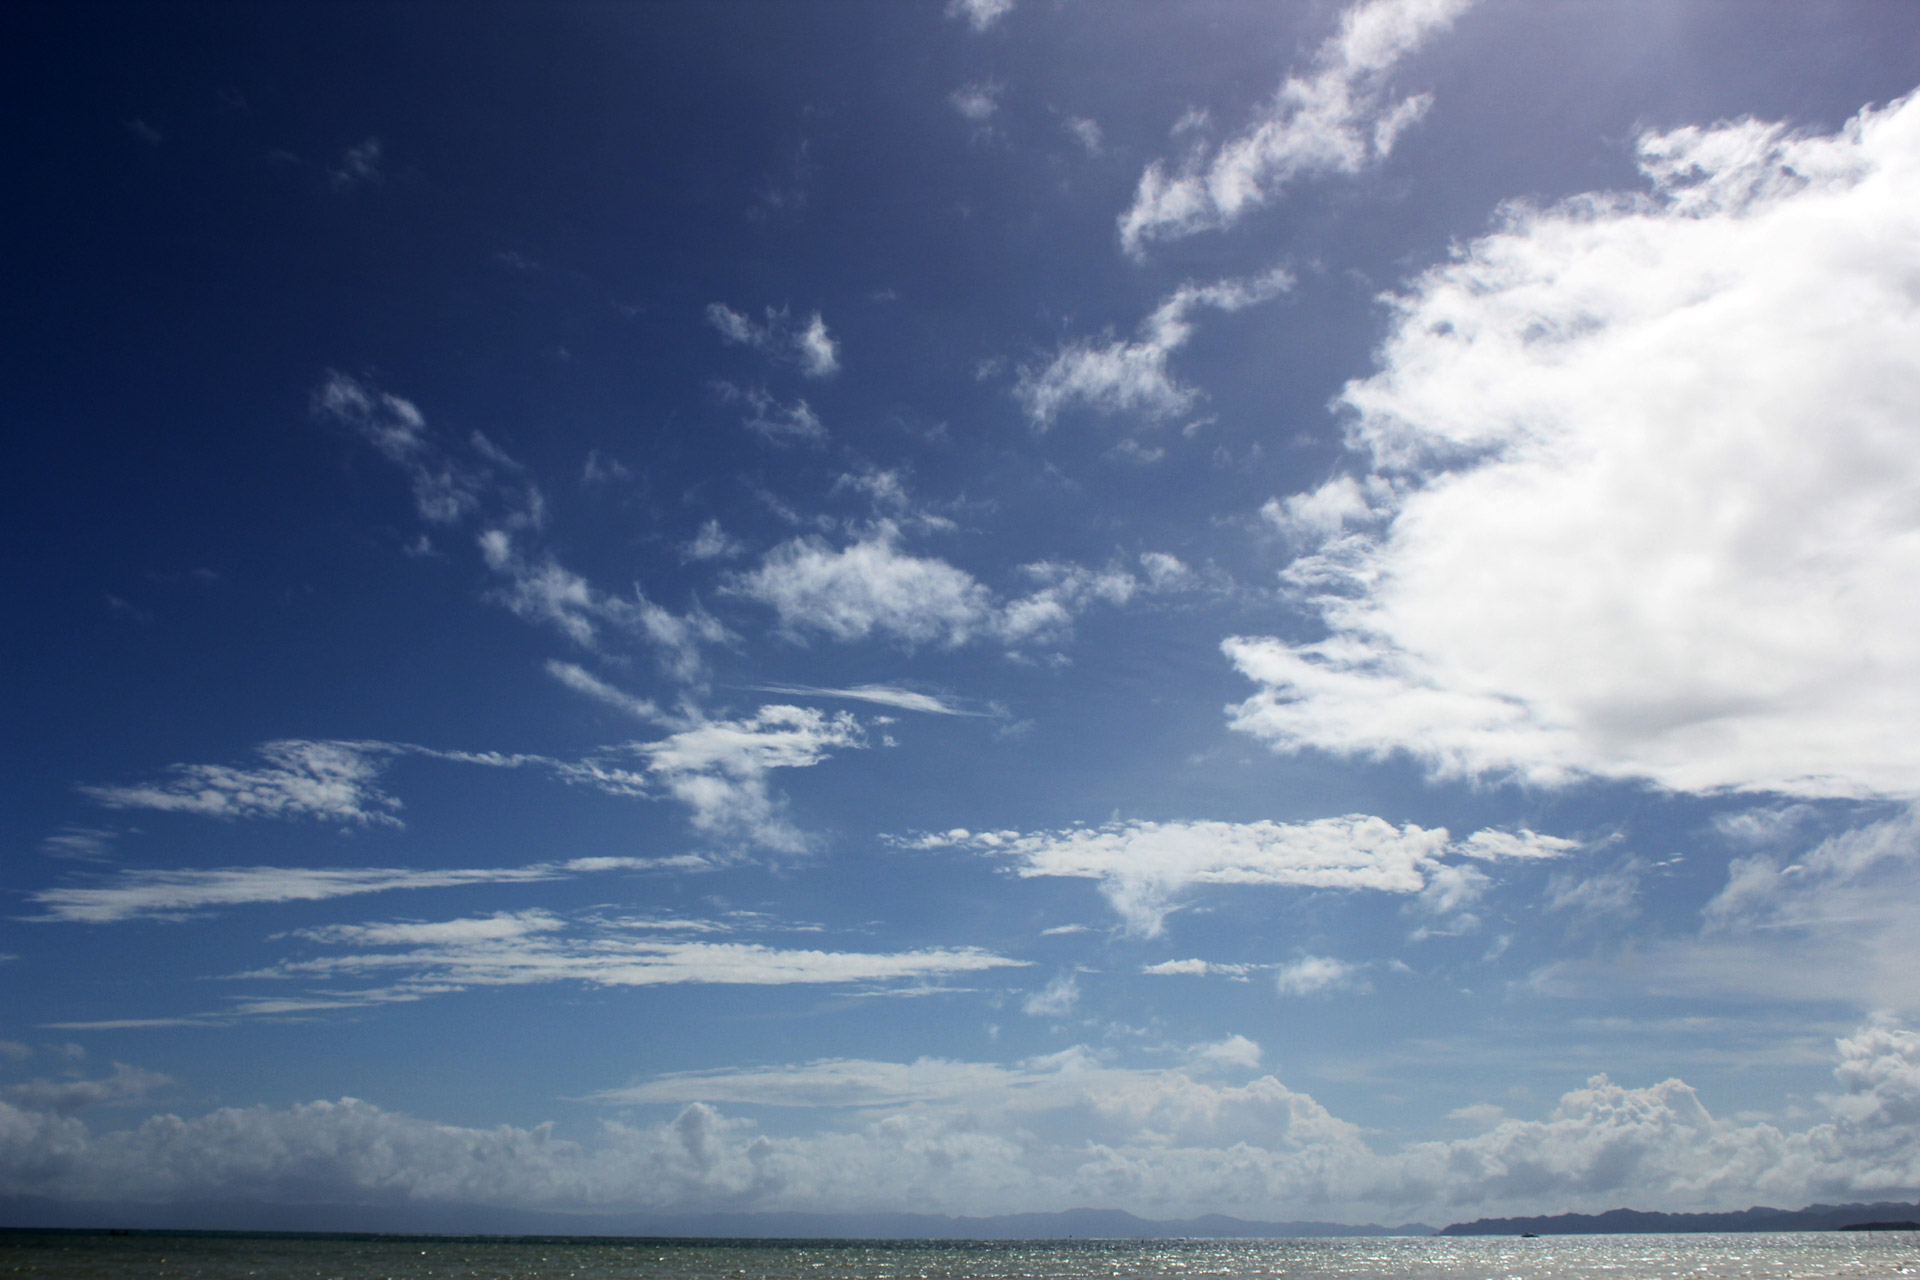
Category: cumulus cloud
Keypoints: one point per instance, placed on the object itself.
(1142, 867)
(1121, 376)
(804, 344)
(1045, 1133)
(1641, 500)
(1338, 120)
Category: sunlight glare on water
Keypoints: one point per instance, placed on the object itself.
(1798, 1256)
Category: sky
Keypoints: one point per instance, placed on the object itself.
(1295, 610)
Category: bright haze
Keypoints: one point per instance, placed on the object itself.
(1281, 609)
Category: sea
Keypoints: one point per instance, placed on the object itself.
(229, 1256)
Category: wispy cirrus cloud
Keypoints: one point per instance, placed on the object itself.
(178, 894)
(1337, 120)
(1121, 376)
(536, 947)
(885, 695)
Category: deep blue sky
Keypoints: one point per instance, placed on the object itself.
(1284, 609)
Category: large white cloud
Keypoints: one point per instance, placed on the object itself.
(1142, 867)
(1645, 490)
(1049, 1133)
(1338, 120)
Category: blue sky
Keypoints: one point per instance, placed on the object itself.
(1293, 610)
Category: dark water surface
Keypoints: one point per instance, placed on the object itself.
(1751, 1256)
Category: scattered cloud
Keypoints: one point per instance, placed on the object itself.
(1055, 1000)
(1528, 593)
(1119, 376)
(445, 491)
(359, 166)
(1087, 133)
(332, 781)
(1317, 975)
(1143, 866)
(977, 102)
(806, 344)
(719, 768)
(768, 418)
(981, 15)
(868, 587)
(1338, 120)
(712, 543)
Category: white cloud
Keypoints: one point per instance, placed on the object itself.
(806, 344)
(535, 948)
(1652, 463)
(1339, 120)
(174, 895)
(542, 590)
(1120, 376)
(719, 768)
(580, 680)
(979, 14)
(445, 490)
(1055, 1000)
(767, 417)
(870, 586)
(1143, 866)
(1317, 975)
(332, 781)
(1087, 133)
(976, 102)
(1047, 1133)
(125, 1086)
(885, 695)
(1234, 1051)
(712, 543)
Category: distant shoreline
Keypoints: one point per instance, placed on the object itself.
(31, 1214)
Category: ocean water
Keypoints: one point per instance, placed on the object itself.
(1757, 1256)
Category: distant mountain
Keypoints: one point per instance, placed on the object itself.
(1818, 1217)
(1082, 1224)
